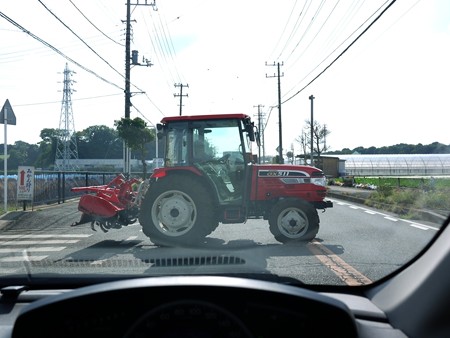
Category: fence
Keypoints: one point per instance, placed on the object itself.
(54, 187)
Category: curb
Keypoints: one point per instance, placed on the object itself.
(346, 197)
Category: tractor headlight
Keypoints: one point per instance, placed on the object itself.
(322, 181)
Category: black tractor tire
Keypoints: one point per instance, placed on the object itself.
(178, 211)
(293, 220)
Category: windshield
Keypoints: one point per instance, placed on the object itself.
(350, 180)
(190, 143)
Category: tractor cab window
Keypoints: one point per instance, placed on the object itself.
(218, 151)
(202, 148)
(177, 145)
(217, 140)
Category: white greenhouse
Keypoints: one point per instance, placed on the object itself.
(397, 165)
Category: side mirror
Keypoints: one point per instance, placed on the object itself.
(258, 140)
(251, 135)
(250, 129)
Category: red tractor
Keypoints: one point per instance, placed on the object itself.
(210, 177)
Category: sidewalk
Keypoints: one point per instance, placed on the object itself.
(8, 217)
(11, 216)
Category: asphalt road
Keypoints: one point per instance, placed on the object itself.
(355, 245)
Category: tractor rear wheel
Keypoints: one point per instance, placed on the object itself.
(293, 220)
(177, 211)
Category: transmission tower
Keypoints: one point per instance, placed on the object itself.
(66, 149)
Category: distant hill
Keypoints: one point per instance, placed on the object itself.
(402, 148)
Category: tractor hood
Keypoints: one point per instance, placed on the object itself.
(290, 170)
(299, 173)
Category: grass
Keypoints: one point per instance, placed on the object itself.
(407, 195)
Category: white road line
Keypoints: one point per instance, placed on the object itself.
(45, 236)
(22, 259)
(370, 212)
(39, 249)
(99, 261)
(420, 226)
(50, 241)
(8, 271)
(13, 245)
(389, 218)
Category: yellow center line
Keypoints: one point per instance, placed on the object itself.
(348, 274)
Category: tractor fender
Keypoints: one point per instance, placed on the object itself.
(191, 174)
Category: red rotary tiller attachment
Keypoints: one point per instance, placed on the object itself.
(110, 206)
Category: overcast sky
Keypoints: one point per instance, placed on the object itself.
(391, 86)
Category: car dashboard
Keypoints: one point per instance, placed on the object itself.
(195, 306)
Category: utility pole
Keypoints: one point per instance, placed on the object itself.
(181, 93)
(128, 57)
(280, 136)
(259, 129)
(312, 129)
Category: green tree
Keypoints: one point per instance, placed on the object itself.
(99, 142)
(22, 153)
(47, 148)
(276, 159)
(136, 135)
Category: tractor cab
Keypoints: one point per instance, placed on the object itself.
(219, 148)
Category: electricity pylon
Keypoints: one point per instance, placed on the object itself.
(66, 149)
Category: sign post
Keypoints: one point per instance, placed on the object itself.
(6, 117)
(25, 184)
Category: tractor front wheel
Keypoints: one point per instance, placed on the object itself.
(293, 220)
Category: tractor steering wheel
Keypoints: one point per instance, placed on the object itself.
(224, 159)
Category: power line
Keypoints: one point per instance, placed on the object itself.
(297, 24)
(56, 50)
(314, 18)
(79, 99)
(314, 38)
(79, 38)
(93, 25)
(343, 52)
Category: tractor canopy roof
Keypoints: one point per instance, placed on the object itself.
(204, 117)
